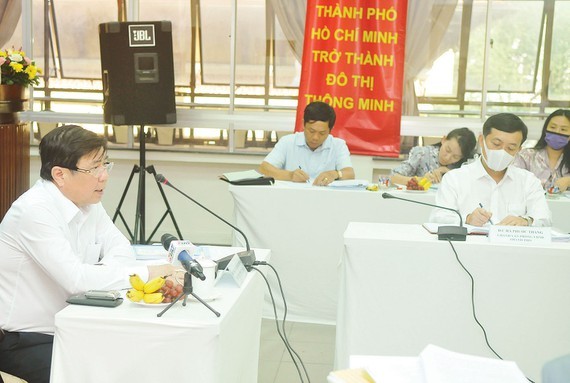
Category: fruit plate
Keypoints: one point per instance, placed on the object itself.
(141, 303)
(416, 191)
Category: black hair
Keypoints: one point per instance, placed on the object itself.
(319, 111)
(467, 142)
(542, 140)
(65, 145)
(505, 122)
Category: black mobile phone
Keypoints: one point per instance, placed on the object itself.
(81, 299)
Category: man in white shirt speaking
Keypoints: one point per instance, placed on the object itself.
(55, 241)
(313, 154)
(490, 190)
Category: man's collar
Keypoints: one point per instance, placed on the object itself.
(300, 141)
(480, 170)
(68, 209)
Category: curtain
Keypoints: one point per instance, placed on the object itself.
(426, 26)
(291, 16)
(10, 11)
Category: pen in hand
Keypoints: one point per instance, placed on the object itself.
(302, 169)
(481, 205)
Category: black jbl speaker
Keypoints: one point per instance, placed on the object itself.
(138, 73)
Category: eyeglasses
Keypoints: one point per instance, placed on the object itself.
(97, 171)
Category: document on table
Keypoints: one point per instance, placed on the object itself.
(558, 236)
(444, 366)
(150, 252)
(349, 184)
(433, 365)
(479, 230)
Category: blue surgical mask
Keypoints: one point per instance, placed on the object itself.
(555, 140)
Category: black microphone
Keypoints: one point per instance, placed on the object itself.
(446, 233)
(189, 263)
(247, 256)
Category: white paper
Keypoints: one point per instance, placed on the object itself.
(349, 184)
(432, 228)
(443, 366)
(148, 252)
(522, 235)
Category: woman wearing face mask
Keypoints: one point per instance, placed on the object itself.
(434, 161)
(549, 160)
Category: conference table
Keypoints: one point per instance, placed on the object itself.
(129, 343)
(303, 226)
(401, 289)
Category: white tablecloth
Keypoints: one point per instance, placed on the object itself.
(130, 343)
(402, 289)
(303, 227)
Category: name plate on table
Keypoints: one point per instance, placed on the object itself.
(235, 270)
(520, 234)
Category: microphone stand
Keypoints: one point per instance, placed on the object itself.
(445, 233)
(247, 256)
(188, 290)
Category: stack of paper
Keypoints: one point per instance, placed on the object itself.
(433, 365)
(349, 184)
(480, 230)
(149, 252)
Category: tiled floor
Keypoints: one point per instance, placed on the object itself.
(314, 343)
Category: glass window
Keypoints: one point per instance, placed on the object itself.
(559, 80)
(526, 73)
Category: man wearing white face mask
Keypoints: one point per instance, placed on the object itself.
(489, 190)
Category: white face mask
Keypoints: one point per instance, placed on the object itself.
(498, 160)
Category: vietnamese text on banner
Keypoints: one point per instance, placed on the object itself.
(353, 59)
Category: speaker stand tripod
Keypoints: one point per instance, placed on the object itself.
(137, 235)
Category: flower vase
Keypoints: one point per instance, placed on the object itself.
(12, 98)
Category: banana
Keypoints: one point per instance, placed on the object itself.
(153, 298)
(135, 295)
(425, 183)
(154, 284)
(136, 282)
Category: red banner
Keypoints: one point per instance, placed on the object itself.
(353, 59)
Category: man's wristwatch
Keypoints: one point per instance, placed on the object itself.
(339, 175)
(529, 220)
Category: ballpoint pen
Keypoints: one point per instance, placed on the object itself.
(302, 169)
(481, 205)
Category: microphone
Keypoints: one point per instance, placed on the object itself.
(247, 256)
(189, 263)
(445, 233)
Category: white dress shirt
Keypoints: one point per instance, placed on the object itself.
(292, 152)
(519, 193)
(51, 249)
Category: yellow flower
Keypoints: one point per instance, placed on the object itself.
(16, 66)
(31, 71)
